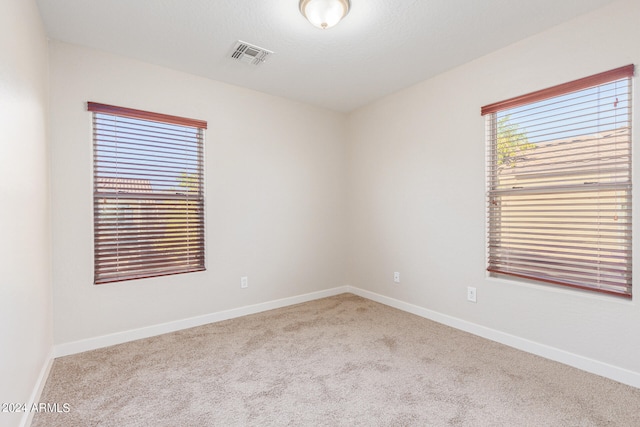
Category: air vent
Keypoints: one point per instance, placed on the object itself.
(249, 53)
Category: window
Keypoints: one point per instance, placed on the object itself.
(148, 194)
(559, 184)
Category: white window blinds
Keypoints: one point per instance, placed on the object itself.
(148, 194)
(559, 184)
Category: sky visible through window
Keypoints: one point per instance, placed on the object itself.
(585, 112)
(165, 155)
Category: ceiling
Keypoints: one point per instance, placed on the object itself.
(382, 45)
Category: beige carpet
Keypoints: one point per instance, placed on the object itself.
(339, 361)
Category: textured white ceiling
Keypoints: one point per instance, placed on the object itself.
(380, 47)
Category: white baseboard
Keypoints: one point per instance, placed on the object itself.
(586, 364)
(150, 331)
(615, 373)
(27, 417)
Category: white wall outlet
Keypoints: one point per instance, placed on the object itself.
(396, 277)
(471, 294)
(244, 282)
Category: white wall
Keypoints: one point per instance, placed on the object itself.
(417, 185)
(275, 202)
(25, 279)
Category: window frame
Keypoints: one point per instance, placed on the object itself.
(493, 228)
(158, 243)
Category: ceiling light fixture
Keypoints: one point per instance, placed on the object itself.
(324, 13)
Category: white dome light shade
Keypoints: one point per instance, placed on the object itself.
(324, 13)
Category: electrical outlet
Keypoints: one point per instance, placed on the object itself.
(471, 294)
(244, 282)
(396, 277)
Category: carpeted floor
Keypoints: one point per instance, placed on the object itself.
(339, 361)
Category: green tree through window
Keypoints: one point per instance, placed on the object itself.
(512, 142)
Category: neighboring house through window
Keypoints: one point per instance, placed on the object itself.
(148, 194)
(559, 184)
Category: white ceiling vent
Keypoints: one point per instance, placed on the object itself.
(249, 53)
